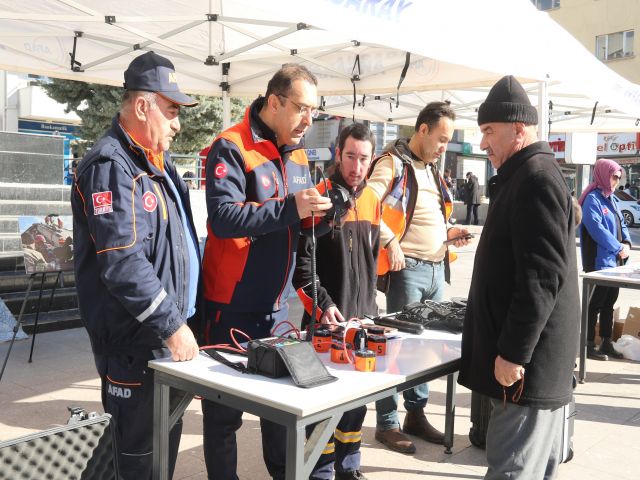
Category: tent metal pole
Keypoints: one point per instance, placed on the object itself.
(226, 99)
(226, 110)
(543, 111)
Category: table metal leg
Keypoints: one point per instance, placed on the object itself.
(295, 452)
(160, 431)
(587, 292)
(450, 411)
(301, 456)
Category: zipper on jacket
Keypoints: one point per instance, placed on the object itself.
(182, 283)
(283, 172)
(356, 269)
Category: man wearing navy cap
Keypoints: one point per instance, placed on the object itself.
(136, 259)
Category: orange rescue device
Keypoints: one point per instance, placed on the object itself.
(338, 354)
(322, 340)
(365, 361)
(378, 343)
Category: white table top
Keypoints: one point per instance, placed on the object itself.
(629, 273)
(407, 357)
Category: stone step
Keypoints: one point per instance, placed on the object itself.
(34, 207)
(11, 262)
(9, 224)
(17, 281)
(10, 242)
(35, 191)
(63, 299)
(51, 321)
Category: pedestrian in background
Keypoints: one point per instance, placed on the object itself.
(604, 243)
(472, 198)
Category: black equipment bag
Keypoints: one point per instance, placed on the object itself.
(569, 413)
(480, 414)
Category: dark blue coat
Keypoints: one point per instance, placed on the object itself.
(131, 260)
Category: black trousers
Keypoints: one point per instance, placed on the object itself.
(472, 207)
(601, 304)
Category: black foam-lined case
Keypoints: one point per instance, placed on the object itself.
(82, 451)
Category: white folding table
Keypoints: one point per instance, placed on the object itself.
(626, 276)
(410, 361)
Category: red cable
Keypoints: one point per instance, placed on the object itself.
(283, 322)
(233, 338)
(222, 347)
(344, 336)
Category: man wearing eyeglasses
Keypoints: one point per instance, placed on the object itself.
(258, 190)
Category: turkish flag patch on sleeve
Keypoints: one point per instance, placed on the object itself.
(102, 203)
(220, 171)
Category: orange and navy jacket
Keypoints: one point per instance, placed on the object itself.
(130, 252)
(346, 257)
(253, 223)
(399, 203)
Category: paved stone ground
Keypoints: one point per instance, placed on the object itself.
(35, 396)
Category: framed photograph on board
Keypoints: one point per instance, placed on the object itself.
(47, 243)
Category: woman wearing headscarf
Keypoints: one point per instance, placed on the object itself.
(604, 243)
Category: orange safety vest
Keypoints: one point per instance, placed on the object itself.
(399, 203)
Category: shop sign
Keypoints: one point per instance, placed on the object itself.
(612, 144)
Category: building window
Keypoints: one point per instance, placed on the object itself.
(546, 4)
(614, 45)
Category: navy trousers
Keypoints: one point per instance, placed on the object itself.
(343, 448)
(127, 394)
(220, 423)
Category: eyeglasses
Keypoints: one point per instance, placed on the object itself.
(303, 109)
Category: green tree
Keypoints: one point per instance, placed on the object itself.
(97, 104)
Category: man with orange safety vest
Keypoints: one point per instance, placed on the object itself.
(258, 190)
(346, 252)
(414, 264)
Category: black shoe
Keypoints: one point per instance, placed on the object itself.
(594, 354)
(607, 347)
(351, 475)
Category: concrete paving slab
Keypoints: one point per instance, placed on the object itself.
(35, 396)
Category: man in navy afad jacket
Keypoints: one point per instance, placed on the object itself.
(136, 257)
(520, 336)
(258, 190)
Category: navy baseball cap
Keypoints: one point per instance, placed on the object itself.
(151, 72)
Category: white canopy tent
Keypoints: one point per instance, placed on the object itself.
(358, 49)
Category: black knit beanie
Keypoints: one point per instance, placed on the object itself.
(507, 102)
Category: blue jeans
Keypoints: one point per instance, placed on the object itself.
(420, 280)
